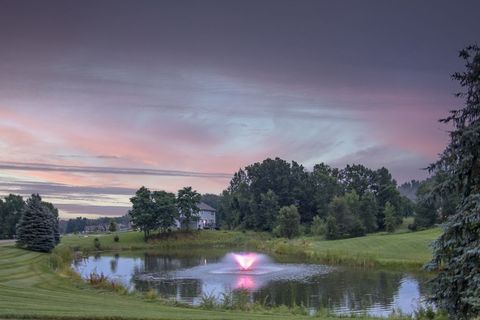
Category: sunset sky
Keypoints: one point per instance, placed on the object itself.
(98, 98)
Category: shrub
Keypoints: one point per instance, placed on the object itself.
(288, 222)
(208, 301)
(116, 238)
(318, 227)
(332, 231)
(150, 295)
(358, 229)
(96, 243)
(241, 299)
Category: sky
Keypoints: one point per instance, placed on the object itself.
(98, 98)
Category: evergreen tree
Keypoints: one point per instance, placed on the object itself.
(456, 254)
(55, 220)
(36, 229)
(10, 212)
(112, 226)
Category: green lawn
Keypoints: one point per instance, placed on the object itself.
(401, 249)
(29, 288)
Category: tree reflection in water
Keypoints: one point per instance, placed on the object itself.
(343, 289)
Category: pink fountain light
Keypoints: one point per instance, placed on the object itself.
(245, 282)
(245, 261)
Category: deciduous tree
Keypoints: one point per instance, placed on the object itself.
(165, 209)
(187, 204)
(288, 222)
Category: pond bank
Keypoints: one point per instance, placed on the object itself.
(393, 251)
(31, 289)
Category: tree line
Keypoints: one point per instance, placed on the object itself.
(34, 223)
(158, 210)
(337, 203)
(431, 209)
(79, 224)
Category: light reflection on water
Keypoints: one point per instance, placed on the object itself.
(186, 276)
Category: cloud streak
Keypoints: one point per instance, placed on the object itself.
(5, 165)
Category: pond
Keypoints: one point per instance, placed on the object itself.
(188, 275)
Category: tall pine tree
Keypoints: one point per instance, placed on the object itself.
(456, 287)
(36, 229)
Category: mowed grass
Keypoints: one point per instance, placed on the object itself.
(398, 249)
(29, 288)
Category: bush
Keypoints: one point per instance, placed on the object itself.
(332, 231)
(288, 222)
(208, 301)
(150, 295)
(241, 299)
(116, 238)
(96, 243)
(318, 227)
(358, 229)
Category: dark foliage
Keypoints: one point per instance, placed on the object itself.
(153, 210)
(256, 192)
(37, 229)
(456, 287)
(10, 212)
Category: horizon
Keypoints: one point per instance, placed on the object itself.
(100, 98)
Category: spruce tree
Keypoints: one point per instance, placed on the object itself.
(55, 220)
(456, 254)
(36, 229)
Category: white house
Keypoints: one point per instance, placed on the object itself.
(206, 218)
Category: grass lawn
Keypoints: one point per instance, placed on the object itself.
(401, 249)
(29, 288)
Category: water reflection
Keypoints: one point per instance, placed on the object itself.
(246, 282)
(185, 276)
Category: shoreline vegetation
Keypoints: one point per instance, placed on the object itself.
(43, 286)
(381, 250)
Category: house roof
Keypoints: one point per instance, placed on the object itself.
(206, 207)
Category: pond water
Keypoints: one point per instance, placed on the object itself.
(188, 275)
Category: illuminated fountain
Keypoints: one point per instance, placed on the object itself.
(238, 270)
(245, 261)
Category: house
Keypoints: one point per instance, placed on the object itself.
(206, 218)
